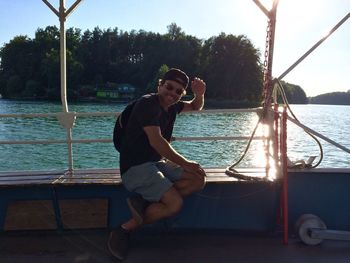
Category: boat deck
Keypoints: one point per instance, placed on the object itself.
(215, 247)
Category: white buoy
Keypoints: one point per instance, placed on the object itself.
(304, 226)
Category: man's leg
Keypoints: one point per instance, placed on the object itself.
(185, 182)
(169, 205)
(189, 183)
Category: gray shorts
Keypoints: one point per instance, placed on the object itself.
(152, 179)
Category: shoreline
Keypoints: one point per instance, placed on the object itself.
(209, 103)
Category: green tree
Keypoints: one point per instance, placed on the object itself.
(33, 89)
(181, 50)
(229, 64)
(231, 67)
(294, 93)
(14, 86)
(333, 98)
(152, 86)
(47, 47)
(50, 69)
(175, 32)
(17, 60)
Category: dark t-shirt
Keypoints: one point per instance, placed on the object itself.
(146, 112)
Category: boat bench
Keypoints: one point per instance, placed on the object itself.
(98, 176)
(86, 199)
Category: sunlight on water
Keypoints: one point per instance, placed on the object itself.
(207, 153)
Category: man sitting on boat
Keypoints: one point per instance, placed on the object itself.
(149, 165)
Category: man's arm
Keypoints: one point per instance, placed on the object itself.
(198, 88)
(161, 145)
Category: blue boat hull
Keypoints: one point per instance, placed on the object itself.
(231, 205)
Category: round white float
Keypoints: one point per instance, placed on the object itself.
(304, 225)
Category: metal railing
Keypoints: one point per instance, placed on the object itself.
(67, 121)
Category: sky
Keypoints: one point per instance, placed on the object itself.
(300, 24)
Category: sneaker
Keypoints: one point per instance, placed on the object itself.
(137, 206)
(118, 243)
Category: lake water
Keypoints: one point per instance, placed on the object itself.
(331, 121)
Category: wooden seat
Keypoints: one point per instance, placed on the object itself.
(101, 177)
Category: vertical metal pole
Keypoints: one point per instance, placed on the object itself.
(269, 141)
(70, 149)
(62, 15)
(267, 89)
(276, 143)
(281, 151)
(268, 76)
(285, 174)
(63, 59)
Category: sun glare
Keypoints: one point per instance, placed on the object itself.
(292, 15)
(266, 3)
(263, 153)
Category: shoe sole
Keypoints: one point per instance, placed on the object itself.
(135, 214)
(116, 255)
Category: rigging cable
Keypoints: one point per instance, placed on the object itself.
(276, 88)
(285, 100)
(268, 89)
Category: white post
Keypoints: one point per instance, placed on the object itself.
(66, 118)
(63, 56)
(63, 63)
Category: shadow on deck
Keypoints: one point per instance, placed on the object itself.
(224, 206)
(90, 246)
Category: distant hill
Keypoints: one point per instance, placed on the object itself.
(333, 98)
(294, 93)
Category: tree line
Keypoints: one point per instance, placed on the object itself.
(332, 98)
(30, 68)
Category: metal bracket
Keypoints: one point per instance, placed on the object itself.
(66, 119)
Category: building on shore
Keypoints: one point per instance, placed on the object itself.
(114, 91)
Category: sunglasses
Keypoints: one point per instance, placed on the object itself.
(170, 87)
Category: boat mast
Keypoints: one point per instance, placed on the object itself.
(270, 42)
(267, 113)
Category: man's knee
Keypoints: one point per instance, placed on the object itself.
(199, 182)
(173, 201)
(176, 206)
(202, 183)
